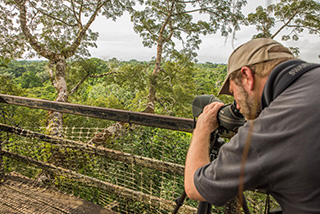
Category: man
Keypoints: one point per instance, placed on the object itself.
(282, 132)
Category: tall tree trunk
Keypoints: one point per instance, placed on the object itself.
(58, 74)
(57, 69)
(153, 80)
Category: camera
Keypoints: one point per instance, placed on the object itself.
(229, 117)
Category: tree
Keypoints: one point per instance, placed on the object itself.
(80, 70)
(30, 79)
(162, 22)
(4, 62)
(7, 86)
(176, 88)
(56, 30)
(295, 16)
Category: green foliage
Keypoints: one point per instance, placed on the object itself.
(45, 91)
(16, 68)
(121, 85)
(161, 23)
(30, 79)
(288, 18)
(132, 75)
(58, 27)
(8, 86)
(80, 70)
(175, 89)
(26, 78)
(27, 74)
(112, 79)
(263, 22)
(209, 78)
(31, 148)
(301, 15)
(4, 62)
(22, 116)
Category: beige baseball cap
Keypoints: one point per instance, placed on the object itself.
(252, 52)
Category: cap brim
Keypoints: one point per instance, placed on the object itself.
(225, 87)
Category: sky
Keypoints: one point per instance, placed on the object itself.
(118, 39)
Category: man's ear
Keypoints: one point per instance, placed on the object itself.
(247, 78)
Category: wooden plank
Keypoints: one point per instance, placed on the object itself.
(160, 121)
(19, 194)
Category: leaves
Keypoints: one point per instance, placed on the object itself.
(60, 27)
(160, 22)
(288, 17)
(263, 21)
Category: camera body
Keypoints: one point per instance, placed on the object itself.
(229, 117)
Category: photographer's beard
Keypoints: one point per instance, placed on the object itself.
(250, 106)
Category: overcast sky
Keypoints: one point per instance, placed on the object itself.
(117, 39)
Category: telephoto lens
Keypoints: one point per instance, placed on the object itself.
(229, 117)
(201, 101)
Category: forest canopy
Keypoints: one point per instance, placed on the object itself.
(124, 89)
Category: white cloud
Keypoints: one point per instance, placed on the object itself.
(118, 39)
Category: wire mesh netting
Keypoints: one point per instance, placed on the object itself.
(125, 168)
(137, 170)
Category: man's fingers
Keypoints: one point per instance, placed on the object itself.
(215, 106)
(218, 106)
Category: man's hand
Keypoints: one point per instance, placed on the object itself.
(208, 121)
(198, 153)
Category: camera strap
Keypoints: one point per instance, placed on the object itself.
(282, 76)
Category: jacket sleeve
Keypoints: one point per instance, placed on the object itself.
(218, 182)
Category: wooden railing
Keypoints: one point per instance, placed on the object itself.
(160, 121)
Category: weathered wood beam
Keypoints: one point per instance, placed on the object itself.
(160, 121)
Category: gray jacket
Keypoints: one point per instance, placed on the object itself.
(284, 155)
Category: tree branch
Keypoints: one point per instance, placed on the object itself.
(75, 88)
(76, 15)
(171, 33)
(307, 27)
(167, 20)
(148, 29)
(70, 51)
(186, 2)
(52, 17)
(41, 50)
(286, 24)
(168, 17)
(197, 10)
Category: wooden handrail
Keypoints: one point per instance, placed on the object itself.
(160, 121)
